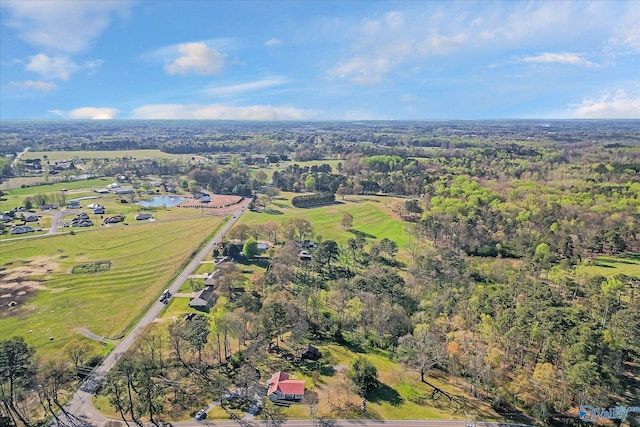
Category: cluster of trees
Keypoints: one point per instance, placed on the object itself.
(232, 179)
(542, 344)
(313, 199)
(307, 178)
(296, 229)
(33, 391)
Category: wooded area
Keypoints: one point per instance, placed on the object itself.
(496, 287)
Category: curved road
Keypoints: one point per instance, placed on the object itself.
(17, 159)
(79, 406)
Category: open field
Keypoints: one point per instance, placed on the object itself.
(373, 216)
(23, 181)
(607, 266)
(331, 162)
(15, 196)
(69, 155)
(53, 302)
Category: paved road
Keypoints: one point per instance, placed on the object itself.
(79, 406)
(15, 161)
(56, 217)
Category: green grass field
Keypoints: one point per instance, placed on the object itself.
(15, 197)
(373, 215)
(401, 396)
(69, 155)
(608, 266)
(144, 258)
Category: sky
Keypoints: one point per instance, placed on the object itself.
(319, 60)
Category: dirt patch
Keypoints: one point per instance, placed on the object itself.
(21, 282)
(12, 299)
(217, 202)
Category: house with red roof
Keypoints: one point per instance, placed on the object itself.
(282, 388)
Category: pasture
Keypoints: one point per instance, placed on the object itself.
(15, 196)
(373, 216)
(72, 155)
(54, 303)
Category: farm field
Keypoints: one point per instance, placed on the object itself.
(68, 155)
(54, 303)
(15, 196)
(373, 216)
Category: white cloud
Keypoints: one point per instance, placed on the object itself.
(36, 85)
(557, 58)
(442, 44)
(61, 26)
(362, 69)
(196, 58)
(273, 42)
(627, 33)
(379, 46)
(618, 105)
(220, 112)
(167, 53)
(58, 67)
(232, 90)
(439, 33)
(94, 113)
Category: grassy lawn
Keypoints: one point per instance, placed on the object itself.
(206, 267)
(401, 395)
(372, 215)
(176, 308)
(59, 304)
(607, 266)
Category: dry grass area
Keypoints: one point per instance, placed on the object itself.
(217, 202)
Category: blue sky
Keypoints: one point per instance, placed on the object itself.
(319, 60)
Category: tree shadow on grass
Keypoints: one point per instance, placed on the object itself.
(262, 262)
(362, 233)
(320, 205)
(631, 255)
(603, 264)
(270, 211)
(384, 393)
(307, 367)
(354, 347)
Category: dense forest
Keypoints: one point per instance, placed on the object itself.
(502, 220)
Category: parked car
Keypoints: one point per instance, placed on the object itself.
(201, 415)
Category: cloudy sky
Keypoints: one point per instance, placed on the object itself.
(319, 60)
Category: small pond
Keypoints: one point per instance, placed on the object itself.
(160, 201)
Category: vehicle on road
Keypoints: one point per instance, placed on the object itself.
(201, 415)
(164, 298)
